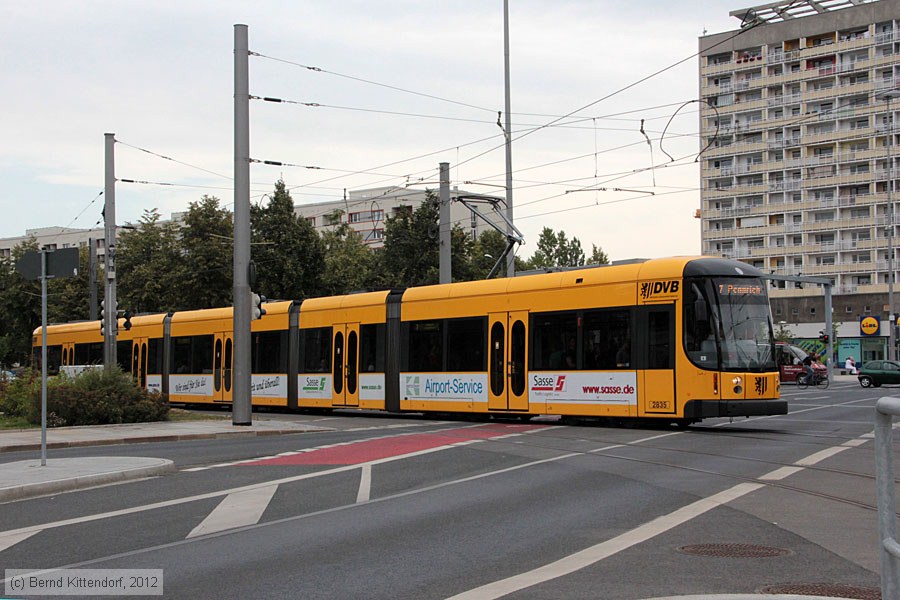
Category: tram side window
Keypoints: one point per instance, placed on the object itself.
(555, 340)
(661, 354)
(89, 354)
(371, 348)
(123, 356)
(315, 350)
(54, 359)
(268, 352)
(466, 344)
(424, 351)
(607, 339)
(699, 338)
(192, 354)
(154, 356)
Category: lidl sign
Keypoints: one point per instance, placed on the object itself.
(869, 326)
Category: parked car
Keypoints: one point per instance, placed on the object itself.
(8, 375)
(879, 372)
(790, 358)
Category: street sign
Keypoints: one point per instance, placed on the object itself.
(60, 263)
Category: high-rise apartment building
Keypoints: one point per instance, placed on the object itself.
(799, 137)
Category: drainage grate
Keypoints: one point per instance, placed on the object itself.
(734, 550)
(828, 590)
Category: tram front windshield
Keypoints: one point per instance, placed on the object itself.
(728, 324)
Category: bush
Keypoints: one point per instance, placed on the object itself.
(94, 397)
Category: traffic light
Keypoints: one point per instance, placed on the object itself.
(256, 309)
(103, 318)
(127, 323)
(823, 338)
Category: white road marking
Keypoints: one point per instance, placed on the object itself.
(598, 552)
(236, 510)
(589, 556)
(10, 539)
(365, 484)
(14, 533)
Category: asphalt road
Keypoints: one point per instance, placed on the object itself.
(389, 507)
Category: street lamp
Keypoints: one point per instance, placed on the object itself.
(887, 96)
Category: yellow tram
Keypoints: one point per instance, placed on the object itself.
(678, 339)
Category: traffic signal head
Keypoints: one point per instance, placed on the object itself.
(256, 309)
(127, 324)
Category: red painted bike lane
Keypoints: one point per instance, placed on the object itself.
(370, 450)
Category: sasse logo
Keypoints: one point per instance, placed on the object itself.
(658, 288)
(556, 383)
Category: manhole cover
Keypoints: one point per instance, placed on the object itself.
(828, 590)
(734, 550)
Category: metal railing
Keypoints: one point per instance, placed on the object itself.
(885, 410)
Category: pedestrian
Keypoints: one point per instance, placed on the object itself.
(850, 365)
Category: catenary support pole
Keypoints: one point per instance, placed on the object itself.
(445, 249)
(511, 258)
(43, 358)
(110, 320)
(241, 413)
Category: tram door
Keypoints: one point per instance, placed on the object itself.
(507, 343)
(345, 365)
(139, 361)
(223, 363)
(656, 333)
(68, 353)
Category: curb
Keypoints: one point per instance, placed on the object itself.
(153, 438)
(42, 488)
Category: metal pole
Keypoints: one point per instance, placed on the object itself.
(111, 321)
(829, 329)
(241, 413)
(445, 248)
(511, 258)
(885, 410)
(43, 358)
(92, 279)
(892, 350)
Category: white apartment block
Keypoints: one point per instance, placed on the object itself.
(795, 178)
(799, 141)
(53, 238)
(366, 210)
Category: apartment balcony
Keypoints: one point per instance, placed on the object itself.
(785, 185)
(719, 234)
(715, 69)
(886, 37)
(732, 149)
(823, 49)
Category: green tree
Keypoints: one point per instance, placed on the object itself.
(207, 247)
(288, 253)
(598, 256)
(150, 268)
(410, 253)
(348, 261)
(556, 250)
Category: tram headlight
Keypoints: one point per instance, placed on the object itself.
(738, 382)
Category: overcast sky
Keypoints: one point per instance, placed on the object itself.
(160, 76)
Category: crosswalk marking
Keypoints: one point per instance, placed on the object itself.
(10, 539)
(365, 484)
(236, 510)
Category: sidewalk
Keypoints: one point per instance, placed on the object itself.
(27, 478)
